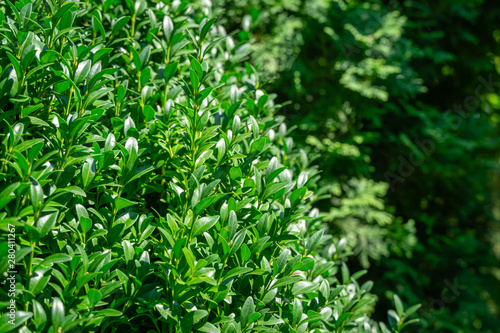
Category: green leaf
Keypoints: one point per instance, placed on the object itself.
(98, 26)
(399, 305)
(128, 123)
(84, 279)
(57, 312)
(235, 173)
(345, 273)
(168, 27)
(297, 311)
(342, 318)
(139, 173)
(412, 309)
(190, 258)
(17, 66)
(86, 224)
(209, 328)
(313, 241)
(237, 241)
(247, 310)
(75, 89)
(33, 233)
(195, 81)
(144, 56)
(169, 71)
(193, 317)
(253, 318)
(82, 71)
(196, 66)
(302, 180)
(274, 188)
(88, 171)
(108, 313)
(121, 203)
(304, 287)
(164, 311)
(236, 271)
(36, 195)
(271, 166)
(110, 142)
(39, 280)
(221, 150)
(94, 297)
(258, 145)
(255, 132)
(137, 59)
(282, 259)
(81, 211)
(65, 7)
(297, 196)
(128, 251)
(22, 163)
(35, 70)
(409, 322)
(7, 194)
(6, 323)
(132, 146)
(71, 189)
(307, 264)
(203, 224)
(204, 204)
(245, 253)
(232, 225)
(270, 295)
(56, 258)
(149, 113)
(30, 109)
(39, 315)
(205, 27)
(120, 24)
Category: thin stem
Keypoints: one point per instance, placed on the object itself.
(167, 60)
(132, 33)
(69, 101)
(193, 139)
(30, 263)
(62, 45)
(30, 268)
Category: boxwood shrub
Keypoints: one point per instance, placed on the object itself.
(150, 185)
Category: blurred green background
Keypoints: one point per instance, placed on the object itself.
(399, 102)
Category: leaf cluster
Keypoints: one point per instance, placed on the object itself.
(151, 184)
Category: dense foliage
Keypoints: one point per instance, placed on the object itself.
(151, 185)
(400, 98)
